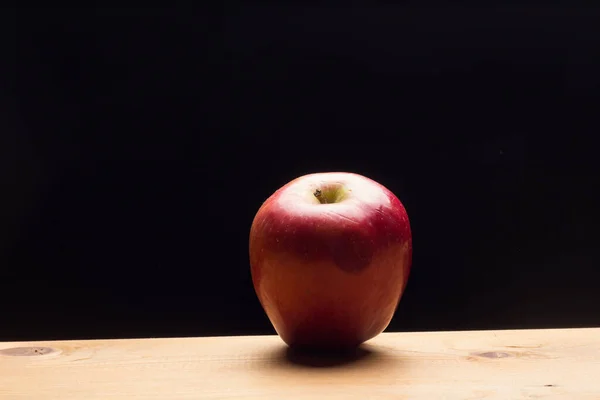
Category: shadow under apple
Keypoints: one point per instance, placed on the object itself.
(317, 358)
(371, 363)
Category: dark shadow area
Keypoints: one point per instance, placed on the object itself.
(329, 359)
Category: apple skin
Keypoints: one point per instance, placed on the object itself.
(330, 276)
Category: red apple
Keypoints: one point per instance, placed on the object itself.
(330, 256)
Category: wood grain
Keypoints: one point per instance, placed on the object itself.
(508, 365)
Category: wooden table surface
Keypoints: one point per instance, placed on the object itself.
(509, 365)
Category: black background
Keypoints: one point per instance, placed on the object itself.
(137, 144)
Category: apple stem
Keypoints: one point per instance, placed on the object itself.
(318, 194)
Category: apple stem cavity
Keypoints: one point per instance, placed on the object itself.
(330, 195)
